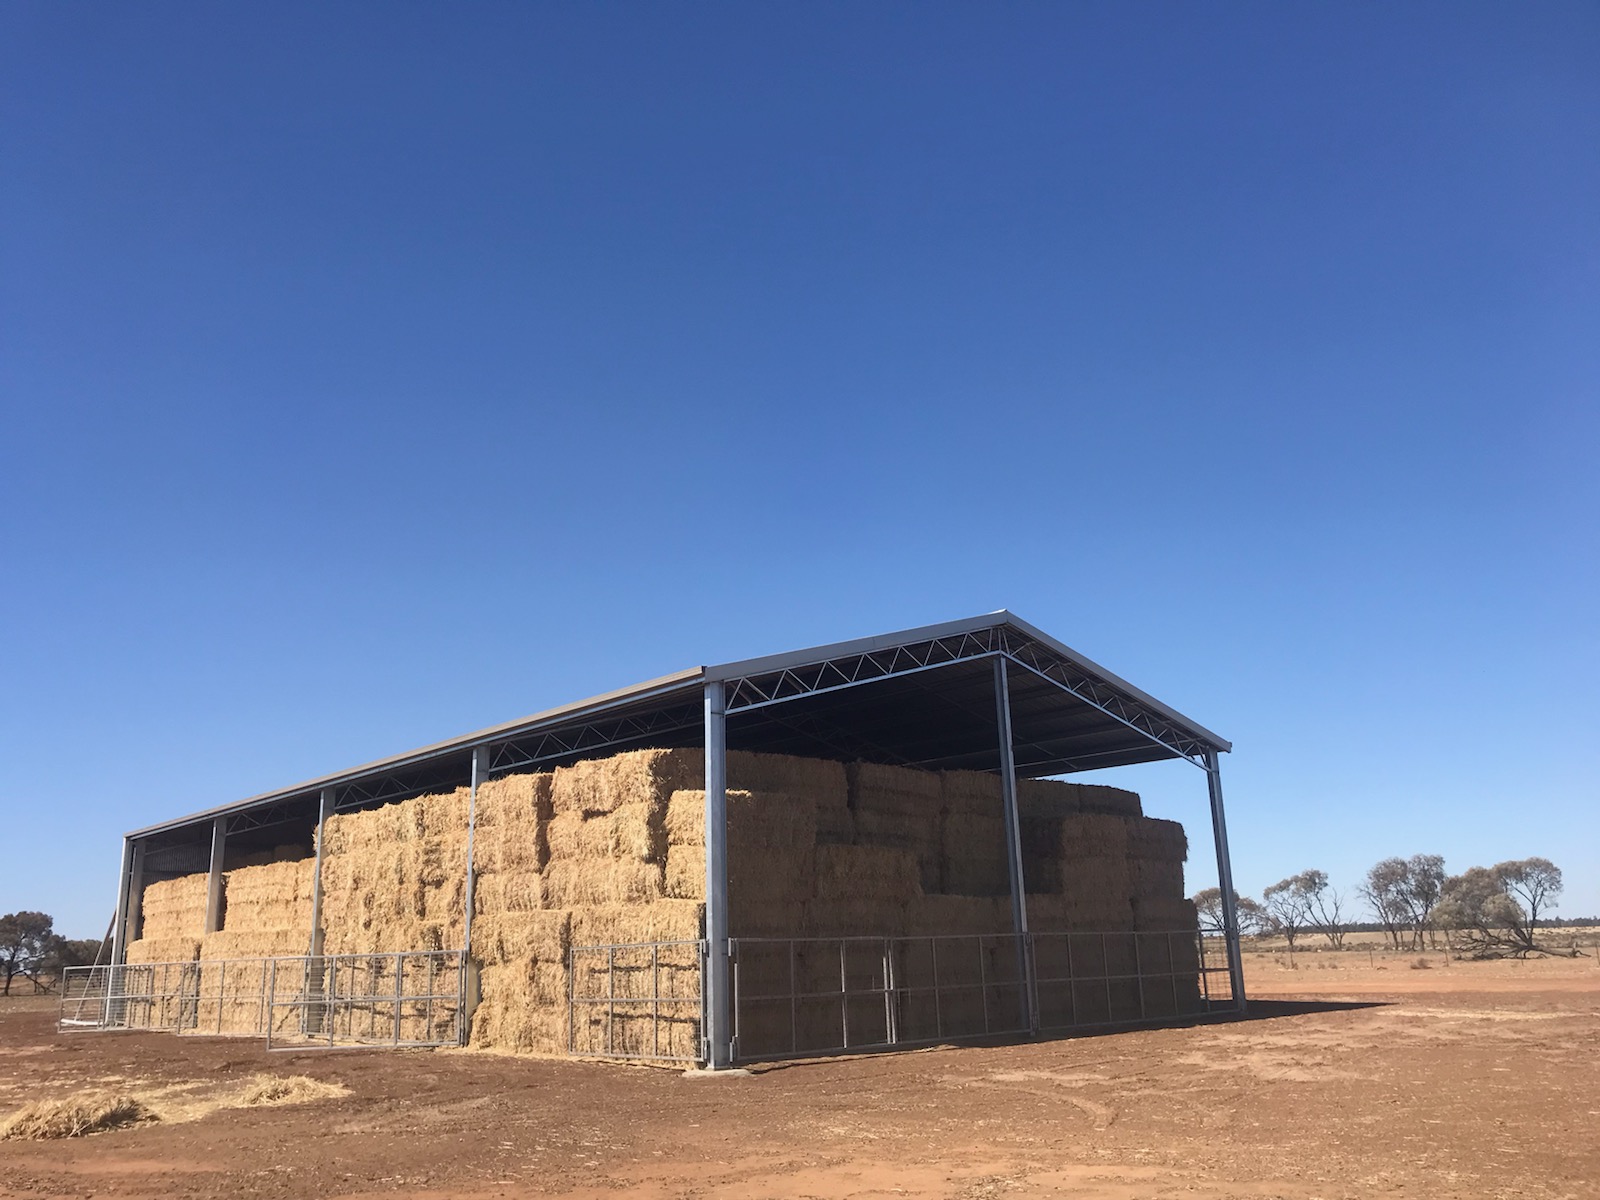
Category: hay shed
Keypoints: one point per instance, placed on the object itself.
(875, 843)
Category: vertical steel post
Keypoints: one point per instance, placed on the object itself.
(119, 923)
(324, 811)
(480, 770)
(1230, 914)
(1019, 895)
(719, 1039)
(135, 919)
(219, 848)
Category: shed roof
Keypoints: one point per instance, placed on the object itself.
(921, 697)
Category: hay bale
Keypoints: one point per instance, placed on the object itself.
(641, 777)
(757, 876)
(1096, 798)
(904, 791)
(272, 895)
(663, 921)
(850, 873)
(1149, 837)
(163, 950)
(1092, 836)
(958, 915)
(174, 908)
(1156, 914)
(1156, 877)
(775, 820)
(821, 781)
(628, 831)
(511, 830)
(520, 892)
(1047, 798)
(581, 883)
(970, 793)
(512, 937)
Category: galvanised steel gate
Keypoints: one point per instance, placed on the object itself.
(409, 998)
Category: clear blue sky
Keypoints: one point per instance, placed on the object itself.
(373, 373)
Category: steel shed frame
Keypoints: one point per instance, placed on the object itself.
(986, 693)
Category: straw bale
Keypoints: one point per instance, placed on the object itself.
(867, 873)
(522, 937)
(869, 916)
(875, 788)
(628, 831)
(1092, 835)
(821, 781)
(1087, 881)
(973, 793)
(1157, 877)
(1163, 914)
(523, 1009)
(519, 892)
(1097, 914)
(163, 949)
(778, 820)
(174, 907)
(663, 921)
(645, 777)
(974, 854)
(1150, 837)
(755, 919)
(1047, 798)
(583, 882)
(1098, 798)
(953, 915)
(756, 876)
(511, 830)
(254, 943)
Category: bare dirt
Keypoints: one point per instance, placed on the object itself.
(1460, 1080)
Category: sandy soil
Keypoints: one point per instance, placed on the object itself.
(1472, 1080)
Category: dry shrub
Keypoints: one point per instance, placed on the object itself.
(75, 1116)
(289, 1089)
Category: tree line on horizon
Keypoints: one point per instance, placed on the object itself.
(1487, 912)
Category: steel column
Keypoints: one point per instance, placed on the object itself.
(219, 848)
(718, 1008)
(119, 923)
(324, 811)
(135, 920)
(1019, 890)
(480, 769)
(1230, 912)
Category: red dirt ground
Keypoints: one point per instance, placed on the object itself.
(1472, 1080)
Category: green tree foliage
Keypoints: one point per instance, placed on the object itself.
(27, 940)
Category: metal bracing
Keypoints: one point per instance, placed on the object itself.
(575, 741)
(751, 692)
(219, 850)
(718, 1023)
(291, 810)
(1230, 913)
(1013, 824)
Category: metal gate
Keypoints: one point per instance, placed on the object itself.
(409, 998)
(640, 1001)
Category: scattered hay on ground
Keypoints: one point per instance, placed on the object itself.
(289, 1089)
(75, 1116)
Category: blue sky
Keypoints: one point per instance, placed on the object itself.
(373, 373)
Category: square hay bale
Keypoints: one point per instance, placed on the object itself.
(635, 831)
(951, 915)
(864, 916)
(1157, 877)
(163, 950)
(756, 877)
(779, 820)
(904, 791)
(174, 908)
(641, 777)
(1047, 798)
(867, 873)
(518, 892)
(1150, 837)
(1093, 835)
(613, 924)
(820, 780)
(582, 883)
(1094, 882)
(511, 834)
(971, 793)
(524, 937)
(1097, 798)
(1097, 914)
(1157, 914)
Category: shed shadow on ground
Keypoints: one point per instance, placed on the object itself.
(1258, 1010)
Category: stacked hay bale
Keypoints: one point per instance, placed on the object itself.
(172, 916)
(266, 913)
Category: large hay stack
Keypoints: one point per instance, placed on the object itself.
(581, 872)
